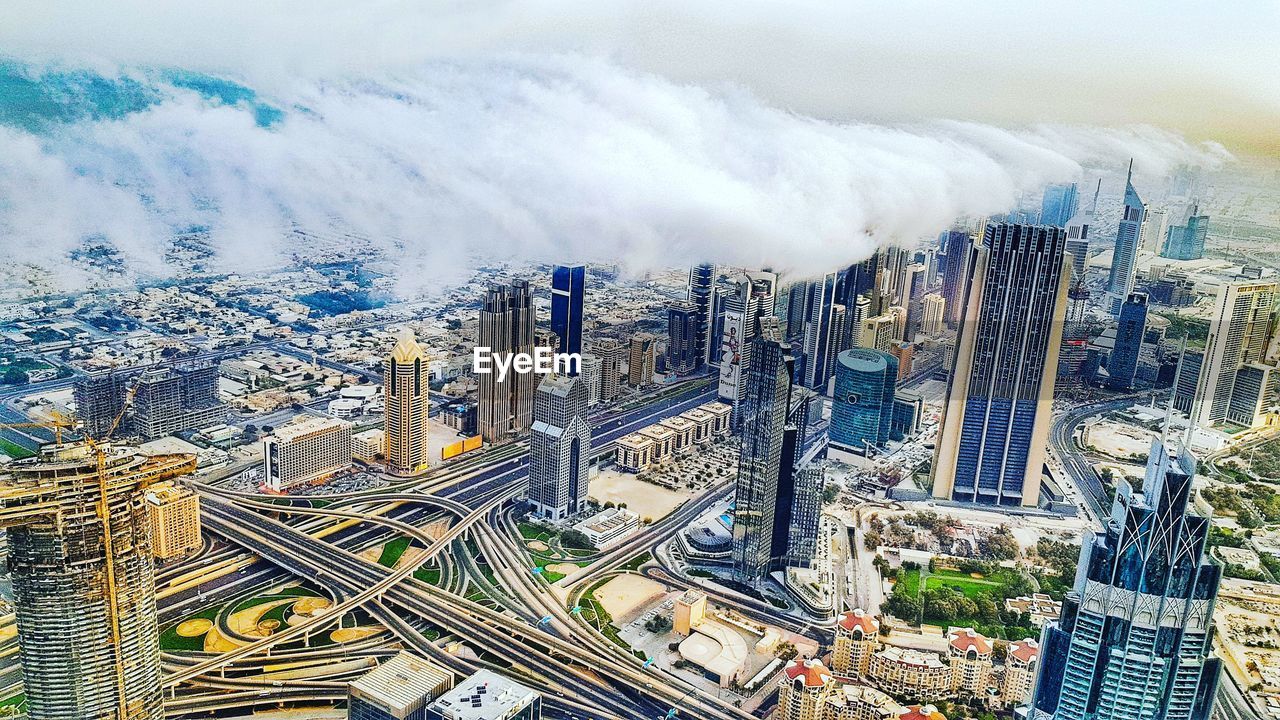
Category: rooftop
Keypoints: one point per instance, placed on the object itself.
(402, 682)
(483, 696)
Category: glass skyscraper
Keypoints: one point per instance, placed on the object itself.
(1186, 241)
(1059, 203)
(1123, 365)
(996, 418)
(956, 247)
(1125, 256)
(1136, 630)
(702, 280)
(567, 288)
(682, 330)
(862, 409)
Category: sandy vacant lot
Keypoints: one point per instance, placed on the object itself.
(625, 594)
(642, 498)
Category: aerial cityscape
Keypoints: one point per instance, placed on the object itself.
(616, 361)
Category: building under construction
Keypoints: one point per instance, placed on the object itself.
(83, 580)
(167, 399)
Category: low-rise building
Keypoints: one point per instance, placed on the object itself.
(808, 691)
(904, 672)
(487, 695)
(368, 444)
(305, 451)
(398, 689)
(690, 609)
(672, 436)
(609, 526)
(1040, 607)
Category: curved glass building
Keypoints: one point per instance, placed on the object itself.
(862, 410)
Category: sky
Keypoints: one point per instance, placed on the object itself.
(796, 134)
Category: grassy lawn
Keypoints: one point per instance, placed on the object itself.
(529, 531)
(634, 563)
(14, 450)
(910, 582)
(392, 551)
(970, 586)
(428, 575)
(171, 641)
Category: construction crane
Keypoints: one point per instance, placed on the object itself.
(56, 425)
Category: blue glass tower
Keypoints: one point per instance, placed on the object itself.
(1186, 241)
(862, 409)
(1136, 630)
(995, 425)
(1124, 258)
(1059, 203)
(1123, 365)
(567, 288)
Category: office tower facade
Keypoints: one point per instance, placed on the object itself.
(916, 284)
(642, 356)
(1186, 241)
(702, 280)
(856, 285)
(405, 390)
(173, 519)
(486, 695)
(1155, 224)
(505, 408)
(1059, 203)
(818, 334)
(1136, 630)
(174, 398)
(743, 300)
(1123, 366)
(559, 448)
(1078, 245)
(958, 248)
(1255, 396)
(682, 339)
(932, 314)
(309, 450)
(568, 287)
(1239, 333)
(998, 404)
(798, 498)
(610, 353)
(1073, 355)
(862, 408)
(1124, 259)
(592, 377)
(398, 689)
(84, 589)
(763, 412)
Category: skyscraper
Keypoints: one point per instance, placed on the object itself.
(592, 377)
(505, 407)
(84, 580)
(933, 310)
(743, 300)
(702, 280)
(798, 498)
(682, 339)
(916, 284)
(1123, 366)
(1058, 204)
(1125, 256)
(998, 405)
(1154, 228)
(1135, 633)
(1238, 336)
(818, 332)
(1186, 241)
(641, 358)
(404, 383)
(862, 408)
(610, 353)
(559, 448)
(956, 247)
(567, 290)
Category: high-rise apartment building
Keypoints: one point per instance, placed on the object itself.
(1124, 258)
(642, 355)
(1155, 224)
(702, 280)
(166, 399)
(1132, 328)
(405, 393)
(682, 339)
(1136, 630)
(610, 353)
(84, 589)
(1020, 665)
(398, 689)
(998, 405)
(933, 314)
(568, 283)
(592, 375)
(559, 448)
(307, 450)
(764, 411)
(862, 407)
(1186, 241)
(1239, 332)
(818, 332)
(742, 300)
(505, 409)
(100, 399)
(173, 519)
(1058, 204)
(957, 247)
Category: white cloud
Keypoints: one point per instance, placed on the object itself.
(544, 157)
